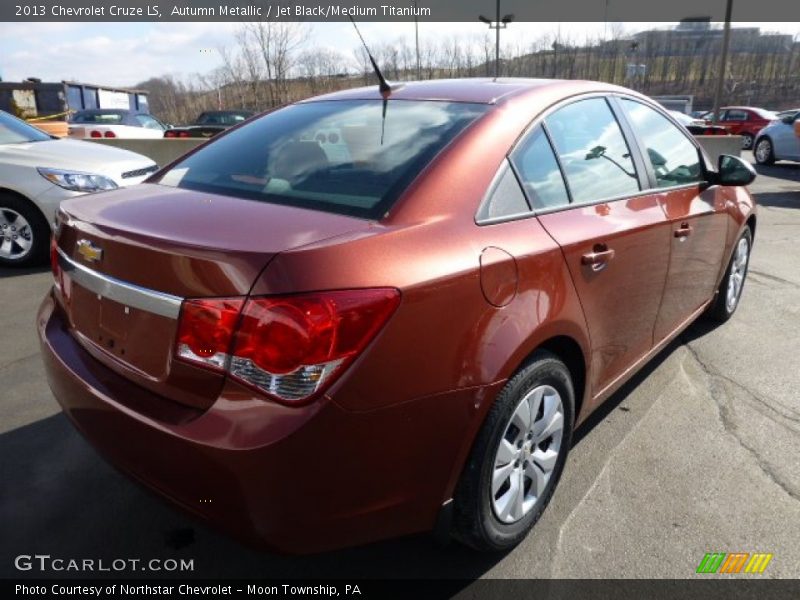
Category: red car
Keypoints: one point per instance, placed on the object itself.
(372, 314)
(745, 121)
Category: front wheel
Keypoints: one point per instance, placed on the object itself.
(747, 141)
(517, 458)
(730, 289)
(24, 233)
(763, 152)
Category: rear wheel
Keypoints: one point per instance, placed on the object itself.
(730, 289)
(747, 141)
(518, 457)
(24, 233)
(763, 152)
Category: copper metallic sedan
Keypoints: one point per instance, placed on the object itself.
(368, 315)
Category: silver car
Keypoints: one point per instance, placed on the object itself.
(38, 171)
(779, 140)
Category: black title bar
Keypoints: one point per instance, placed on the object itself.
(402, 10)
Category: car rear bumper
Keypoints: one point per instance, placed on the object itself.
(292, 479)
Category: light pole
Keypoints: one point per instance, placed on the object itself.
(416, 37)
(723, 60)
(497, 25)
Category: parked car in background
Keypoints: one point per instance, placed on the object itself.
(38, 171)
(697, 126)
(269, 324)
(210, 123)
(780, 140)
(114, 123)
(745, 121)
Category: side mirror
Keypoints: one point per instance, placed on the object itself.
(732, 170)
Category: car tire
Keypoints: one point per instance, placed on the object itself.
(747, 141)
(24, 233)
(488, 514)
(730, 289)
(763, 151)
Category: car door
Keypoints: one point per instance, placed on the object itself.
(612, 234)
(695, 212)
(785, 141)
(734, 120)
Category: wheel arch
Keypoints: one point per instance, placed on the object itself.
(24, 198)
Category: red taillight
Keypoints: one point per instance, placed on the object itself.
(169, 134)
(110, 134)
(288, 347)
(95, 134)
(206, 330)
(183, 134)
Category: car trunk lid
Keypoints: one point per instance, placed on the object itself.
(129, 258)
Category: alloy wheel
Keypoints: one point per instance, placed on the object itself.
(738, 272)
(527, 454)
(763, 151)
(16, 236)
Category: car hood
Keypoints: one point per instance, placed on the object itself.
(75, 155)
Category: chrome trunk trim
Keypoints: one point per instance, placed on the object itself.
(120, 291)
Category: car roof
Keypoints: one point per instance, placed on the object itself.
(476, 90)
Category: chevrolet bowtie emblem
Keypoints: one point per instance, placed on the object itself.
(89, 251)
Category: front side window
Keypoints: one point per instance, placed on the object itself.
(674, 158)
(149, 122)
(372, 151)
(735, 115)
(596, 160)
(539, 172)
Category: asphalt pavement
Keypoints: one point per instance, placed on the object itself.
(699, 453)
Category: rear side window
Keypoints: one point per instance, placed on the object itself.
(352, 157)
(539, 172)
(674, 158)
(596, 160)
(505, 198)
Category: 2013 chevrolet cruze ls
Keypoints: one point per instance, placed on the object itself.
(370, 314)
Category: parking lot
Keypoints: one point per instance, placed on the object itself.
(699, 453)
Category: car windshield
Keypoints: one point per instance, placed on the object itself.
(108, 118)
(347, 157)
(16, 131)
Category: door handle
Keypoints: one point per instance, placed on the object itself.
(599, 258)
(684, 232)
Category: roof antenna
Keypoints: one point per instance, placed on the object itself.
(383, 85)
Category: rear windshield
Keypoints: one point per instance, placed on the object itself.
(221, 118)
(347, 157)
(765, 114)
(107, 118)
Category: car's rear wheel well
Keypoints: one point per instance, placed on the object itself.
(569, 351)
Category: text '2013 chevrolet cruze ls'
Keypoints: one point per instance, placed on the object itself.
(374, 313)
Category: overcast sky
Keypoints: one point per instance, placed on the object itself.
(123, 54)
